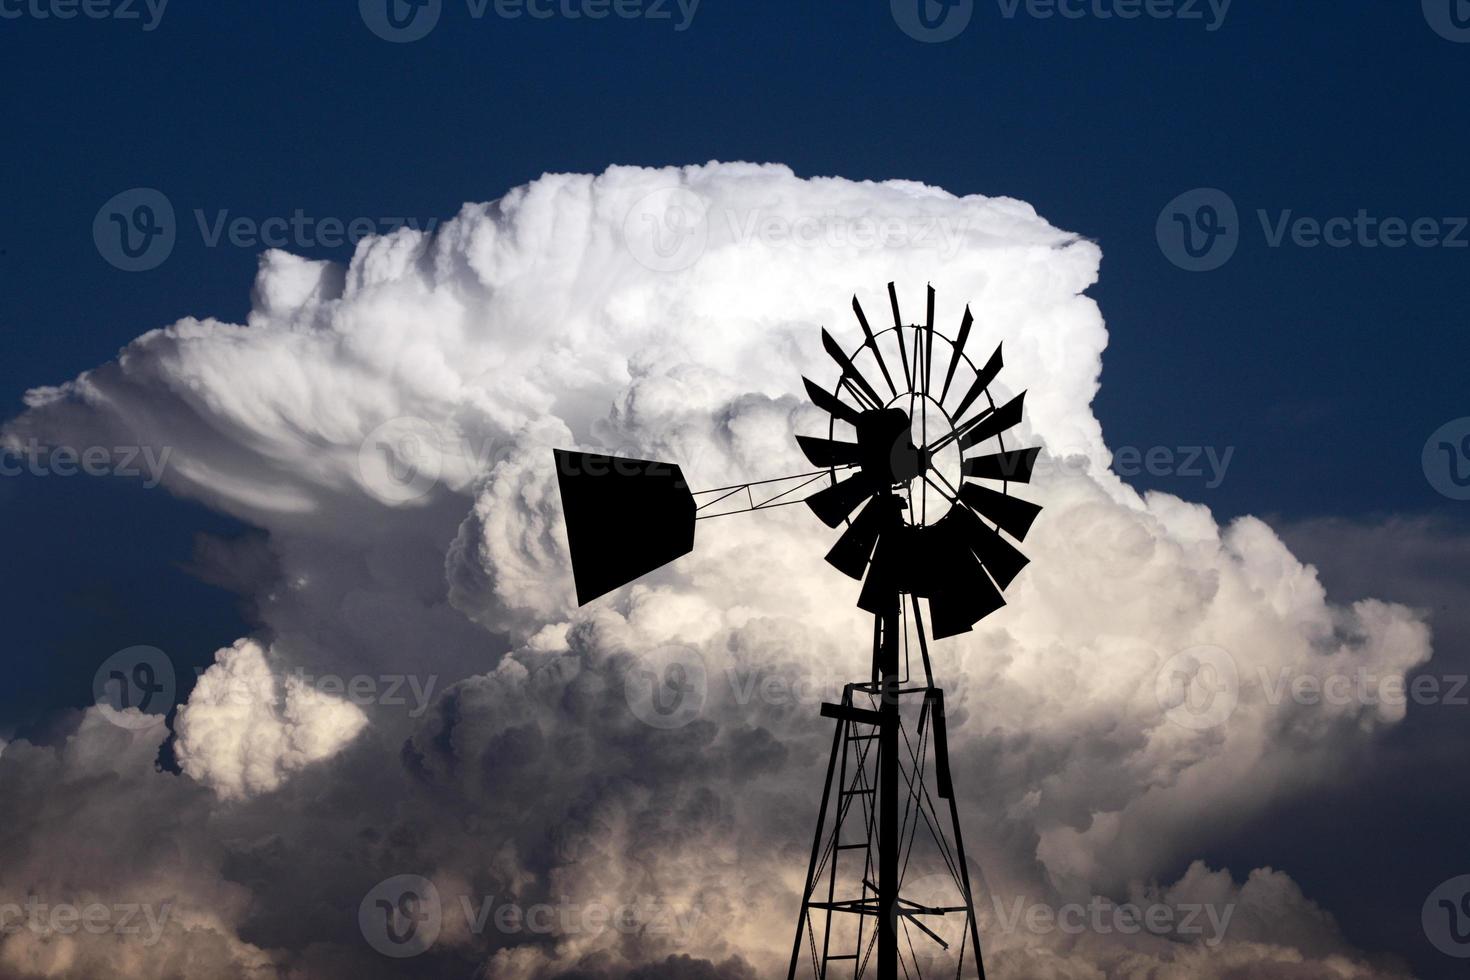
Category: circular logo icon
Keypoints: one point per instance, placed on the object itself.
(140, 678)
(1449, 18)
(1446, 459)
(932, 21)
(667, 688)
(944, 890)
(400, 21)
(1199, 230)
(401, 916)
(400, 460)
(1446, 917)
(668, 229)
(135, 231)
(1198, 688)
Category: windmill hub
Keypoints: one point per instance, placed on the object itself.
(886, 447)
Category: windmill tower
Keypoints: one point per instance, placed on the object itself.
(922, 492)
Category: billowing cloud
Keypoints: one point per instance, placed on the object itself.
(244, 730)
(387, 427)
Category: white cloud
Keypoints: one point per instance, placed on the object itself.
(530, 323)
(244, 730)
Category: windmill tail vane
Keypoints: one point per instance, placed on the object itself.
(916, 468)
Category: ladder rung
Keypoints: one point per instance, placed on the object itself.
(852, 847)
(855, 792)
(842, 956)
(862, 738)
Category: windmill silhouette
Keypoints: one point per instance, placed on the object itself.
(922, 494)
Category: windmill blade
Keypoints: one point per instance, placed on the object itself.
(1001, 558)
(830, 403)
(1003, 418)
(849, 372)
(873, 343)
(829, 452)
(850, 554)
(974, 596)
(929, 341)
(959, 350)
(951, 576)
(982, 381)
(1014, 465)
(908, 376)
(889, 568)
(1013, 514)
(834, 503)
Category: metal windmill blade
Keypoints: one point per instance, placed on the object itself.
(956, 537)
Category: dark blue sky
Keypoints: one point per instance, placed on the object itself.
(1325, 368)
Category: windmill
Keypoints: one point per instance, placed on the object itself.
(922, 494)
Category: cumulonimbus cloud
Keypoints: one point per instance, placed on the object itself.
(387, 426)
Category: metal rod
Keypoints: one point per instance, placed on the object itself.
(811, 869)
